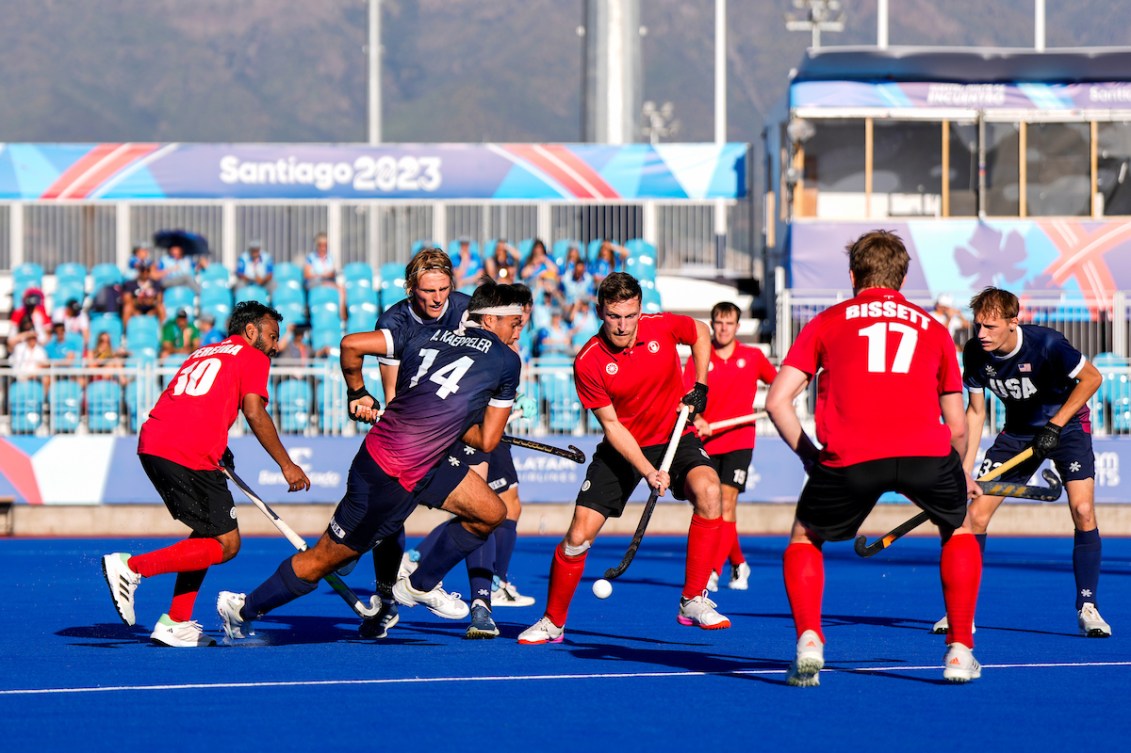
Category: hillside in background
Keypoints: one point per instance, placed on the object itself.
(455, 70)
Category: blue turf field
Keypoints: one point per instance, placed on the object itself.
(627, 678)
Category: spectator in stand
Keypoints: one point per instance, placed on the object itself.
(60, 350)
(293, 345)
(468, 266)
(584, 321)
(174, 269)
(33, 310)
(210, 334)
(555, 338)
(949, 316)
(108, 299)
(578, 287)
(73, 318)
(179, 335)
(319, 268)
(610, 258)
(26, 355)
(255, 267)
(104, 353)
(547, 297)
(138, 254)
(143, 296)
(502, 265)
(537, 262)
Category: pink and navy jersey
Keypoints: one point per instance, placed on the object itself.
(1033, 381)
(447, 380)
(401, 317)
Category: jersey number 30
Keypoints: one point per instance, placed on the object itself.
(448, 377)
(877, 335)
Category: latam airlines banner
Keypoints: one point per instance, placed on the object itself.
(70, 470)
(137, 171)
(920, 95)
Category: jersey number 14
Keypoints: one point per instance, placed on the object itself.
(447, 377)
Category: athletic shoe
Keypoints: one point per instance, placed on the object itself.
(180, 634)
(959, 664)
(228, 605)
(378, 626)
(504, 594)
(713, 582)
(700, 612)
(410, 560)
(122, 582)
(482, 626)
(439, 602)
(739, 577)
(942, 627)
(540, 632)
(1091, 624)
(805, 670)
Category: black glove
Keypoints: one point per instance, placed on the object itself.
(357, 394)
(1047, 440)
(228, 460)
(697, 399)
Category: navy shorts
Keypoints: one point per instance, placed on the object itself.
(376, 506)
(732, 467)
(501, 474)
(199, 499)
(835, 501)
(1073, 458)
(610, 479)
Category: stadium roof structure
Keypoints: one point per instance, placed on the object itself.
(965, 64)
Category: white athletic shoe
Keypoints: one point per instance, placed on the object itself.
(805, 670)
(942, 627)
(505, 594)
(1091, 624)
(180, 634)
(410, 560)
(713, 582)
(739, 577)
(439, 602)
(700, 612)
(540, 632)
(959, 664)
(228, 605)
(123, 583)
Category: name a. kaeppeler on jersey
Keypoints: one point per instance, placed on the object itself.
(888, 310)
(481, 344)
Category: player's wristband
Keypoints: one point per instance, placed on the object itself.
(357, 394)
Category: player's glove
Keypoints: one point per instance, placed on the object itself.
(1047, 440)
(697, 399)
(359, 393)
(228, 460)
(528, 406)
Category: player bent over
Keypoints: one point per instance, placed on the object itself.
(180, 447)
(407, 457)
(1045, 384)
(629, 375)
(889, 373)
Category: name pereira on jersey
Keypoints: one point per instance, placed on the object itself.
(888, 310)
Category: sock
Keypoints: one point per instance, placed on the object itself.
(481, 570)
(430, 540)
(803, 566)
(387, 563)
(702, 543)
(960, 568)
(565, 574)
(281, 588)
(736, 555)
(184, 593)
(1086, 558)
(506, 537)
(452, 544)
(184, 556)
(728, 536)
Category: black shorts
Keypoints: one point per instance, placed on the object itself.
(610, 479)
(199, 499)
(732, 467)
(835, 501)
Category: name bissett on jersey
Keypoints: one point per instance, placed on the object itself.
(888, 310)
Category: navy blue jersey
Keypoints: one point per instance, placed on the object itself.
(1033, 381)
(449, 378)
(401, 318)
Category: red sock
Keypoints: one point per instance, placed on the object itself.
(184, 594)
(736, 555)
(702, 544)
(565, 574)
(728, 540)
(961, 570)
(804, 568)
(184, 556)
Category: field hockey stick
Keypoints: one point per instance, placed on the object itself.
(573, 453)
(864, 549)
(1050, 493)
(646, 515)
(361, 609)
(739, 421)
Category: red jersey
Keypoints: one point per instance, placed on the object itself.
(732, 383)
(189, 425)
(642, 383)
(883, 364)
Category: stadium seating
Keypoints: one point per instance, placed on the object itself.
(68, 290)
(170, 364)
(217, 301)
(24, 276)
(561, 250)
(252, 293)
(593, 248)
(66, 405)
(639, 247)
(417, 245)
(453, 250)
(215, 274)
(651, 301)
(177, 298)
(642, 267)
(392, 284)
(293, 312)
(563, 407)
(288, 274)
(358, 278)
(103, 406)
(102, 275)
(72, 272)
(143, 337)
(108, 322)
(25, 403)
(296, 406)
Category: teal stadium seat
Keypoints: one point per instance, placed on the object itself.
(66, 406)
(652, 303)
(252, 293)
(25, 404)
(418, 245)
(215, 274)
(69, 290)
(392, 284)
(104, 406)
(287, 273)
(217, 301)
(71, 272)
(143, 337)
(24, 276)
(179, 297)
(106, 322)
(102, 275)
(561, 250)
(295, 405)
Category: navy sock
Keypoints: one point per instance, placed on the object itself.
(430, 540)
(481, 570)
(506, 536)
(1086, 555)
(453, 544)
(981, 537)
(387, 562)
(281, 588)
